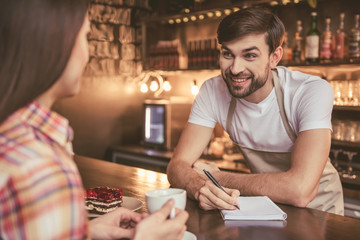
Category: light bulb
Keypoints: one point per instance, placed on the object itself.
(227, 11)
(143, 88)
(194, 88)
(166, 86)
(210, 14)
(154, 86)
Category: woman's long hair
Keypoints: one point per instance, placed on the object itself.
(36, 40)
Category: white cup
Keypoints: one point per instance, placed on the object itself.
(155, 199)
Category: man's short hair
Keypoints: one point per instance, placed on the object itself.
(252, 20)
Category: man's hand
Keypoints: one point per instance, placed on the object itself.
(199, 166)
(210, 196)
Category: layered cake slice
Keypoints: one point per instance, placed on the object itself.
(102, 200)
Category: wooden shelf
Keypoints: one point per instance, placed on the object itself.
(339, 143)
(347, 108)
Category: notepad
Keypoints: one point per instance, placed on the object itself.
(255, 208)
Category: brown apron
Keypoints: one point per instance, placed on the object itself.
(329, 197)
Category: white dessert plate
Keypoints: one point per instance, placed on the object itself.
(131, 203)
(128, 202)
(188, 236)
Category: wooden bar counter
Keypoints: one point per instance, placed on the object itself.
(301, 223)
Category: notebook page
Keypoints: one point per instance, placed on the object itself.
(255, 208)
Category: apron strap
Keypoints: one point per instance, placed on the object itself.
(280, 100)
(230, 115)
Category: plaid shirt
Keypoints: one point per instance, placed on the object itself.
(41, 193)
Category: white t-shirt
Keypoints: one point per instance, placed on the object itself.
(308, 102)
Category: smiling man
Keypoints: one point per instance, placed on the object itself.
(280, 119)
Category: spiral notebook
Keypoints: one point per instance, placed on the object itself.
(255, 208)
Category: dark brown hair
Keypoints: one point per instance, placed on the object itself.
(36, 40)
(252, 20)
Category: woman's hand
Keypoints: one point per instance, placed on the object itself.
(119, 223)
(158, 226)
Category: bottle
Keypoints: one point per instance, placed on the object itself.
(326, 42)
(214, 54)
(201, 54)
(354, 41)
(190, 55)
(339, 53)
(287, 52)
(312, 41)
(208, 53)
(297, 49)
(195, 55)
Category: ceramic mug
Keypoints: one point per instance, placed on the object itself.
(155, 199)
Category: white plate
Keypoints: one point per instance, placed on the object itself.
(128, 202)
(131, 203)
(189, 236)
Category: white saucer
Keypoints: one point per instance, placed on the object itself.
(189, 236)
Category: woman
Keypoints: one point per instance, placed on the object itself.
(43, 51)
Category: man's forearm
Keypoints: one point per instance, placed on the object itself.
(280, 187)
(181, 175)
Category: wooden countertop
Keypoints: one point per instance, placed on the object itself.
(302, 223)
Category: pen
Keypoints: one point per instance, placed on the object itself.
(208, 174)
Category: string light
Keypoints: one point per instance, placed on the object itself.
(227, 11)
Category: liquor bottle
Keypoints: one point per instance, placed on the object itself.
(195, 55)
(287, 52)
(201, 54)
(354, 41)
(190, 52)
(297, 50)
(326, 42)
(340, 37)
(208, 54)
(214, 54)
(312, 41)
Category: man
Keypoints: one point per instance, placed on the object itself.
(280, 119)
